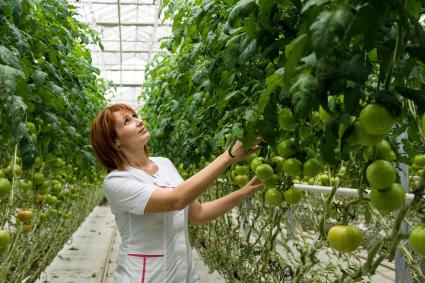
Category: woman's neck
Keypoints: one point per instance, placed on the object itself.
(142, 162)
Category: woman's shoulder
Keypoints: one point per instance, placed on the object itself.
(129, 173)
(161, 160)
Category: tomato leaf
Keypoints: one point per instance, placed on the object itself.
(28, 151)
(248, 48)
(326, 29)
(294, 51)
(355, 69)
(240, 9)
(311, 3)
(9, 77)
(7, 57)
(304, 94)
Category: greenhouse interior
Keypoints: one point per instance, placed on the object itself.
(166, 141)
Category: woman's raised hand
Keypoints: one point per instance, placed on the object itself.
(238, 152)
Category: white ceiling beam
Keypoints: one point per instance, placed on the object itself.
(127, 84)
(127, 51)
(136, 24)
(125, 69)
(126, 41)
(122, 3)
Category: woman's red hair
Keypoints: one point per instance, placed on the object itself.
(103, 135)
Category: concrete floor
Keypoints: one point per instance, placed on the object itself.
(89, 256)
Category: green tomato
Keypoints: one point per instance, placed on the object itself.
(38, 178)
(286, 119)
(345, 238)
(286, 148)
(364, 138)
(293, 195)
(271, 182)
(241, 180)
(264, 172)
(420, 160)
(312, 167)
(388, 200)
(5, 187)
(277, 164)
(4, 239)
(255, 162)
(417, 239)
(241, 169)
(375, 119)
(273, 197)
(380, 174)
(292, 167)
(379, 151)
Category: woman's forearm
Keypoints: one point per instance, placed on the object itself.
(193, 187)
(216, 208)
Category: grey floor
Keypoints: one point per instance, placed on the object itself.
(89, 256)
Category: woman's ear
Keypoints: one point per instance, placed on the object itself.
(117, 143)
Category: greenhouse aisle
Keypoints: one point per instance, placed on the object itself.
(89, 256)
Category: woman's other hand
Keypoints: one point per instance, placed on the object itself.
(252, 186)
(238, 152)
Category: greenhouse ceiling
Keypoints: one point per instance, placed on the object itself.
(130, 31)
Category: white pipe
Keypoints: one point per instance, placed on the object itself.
(341, 191)
(350, 192)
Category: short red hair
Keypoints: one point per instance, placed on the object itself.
(103, 135)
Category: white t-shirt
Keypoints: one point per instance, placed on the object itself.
(155, 246)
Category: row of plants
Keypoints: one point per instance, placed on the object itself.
(336, 91)
(49, 179)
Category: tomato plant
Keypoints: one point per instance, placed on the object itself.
(335, 81)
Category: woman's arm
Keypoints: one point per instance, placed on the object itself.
(186, 192)
(205, 212)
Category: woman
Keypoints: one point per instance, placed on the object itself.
(150, 200)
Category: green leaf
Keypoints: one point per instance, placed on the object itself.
(240, 9)
(274, 80)
(328, 27)
(18, 132)
(294, 51)
(265, 9)
(355, 69)
(304, 94)
(9, 58)
(28, 152)
(39, 77)
(9, 77)
(247, 50)
(366, 17)
(414, 8)
(311, 3)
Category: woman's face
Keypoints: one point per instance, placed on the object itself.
(131, 131)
